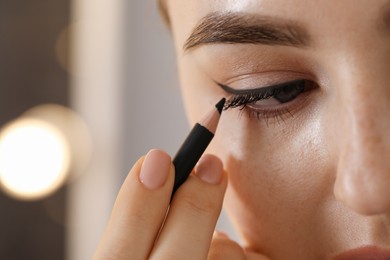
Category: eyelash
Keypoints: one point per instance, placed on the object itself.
(242, 99)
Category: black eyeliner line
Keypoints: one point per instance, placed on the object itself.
(238, 92)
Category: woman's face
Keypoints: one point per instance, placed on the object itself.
(309, 167)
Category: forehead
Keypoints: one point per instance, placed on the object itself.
(285, 8)
(319, 17)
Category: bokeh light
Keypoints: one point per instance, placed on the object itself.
(34, 158)
(74, 129)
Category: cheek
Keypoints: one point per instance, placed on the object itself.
(278, 175)
(282, 159)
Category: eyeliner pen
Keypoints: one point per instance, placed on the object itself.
(195, 144)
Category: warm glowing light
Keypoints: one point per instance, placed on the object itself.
(34, 158)
(74, 129)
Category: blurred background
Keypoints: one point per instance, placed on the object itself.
(86, 88)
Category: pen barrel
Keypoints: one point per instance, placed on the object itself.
(190, 153)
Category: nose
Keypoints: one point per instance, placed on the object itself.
(363, 167)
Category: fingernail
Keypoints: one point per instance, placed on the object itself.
(155, 169)
(209, 169)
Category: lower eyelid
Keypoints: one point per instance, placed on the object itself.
(272, 116)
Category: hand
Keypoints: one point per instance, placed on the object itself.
(223, 248)
(137, 230)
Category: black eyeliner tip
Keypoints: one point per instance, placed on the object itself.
(220, 105)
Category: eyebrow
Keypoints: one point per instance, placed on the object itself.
(234, 28)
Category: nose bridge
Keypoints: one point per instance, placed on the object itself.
(363, 170)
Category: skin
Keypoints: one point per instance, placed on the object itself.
(314, 181)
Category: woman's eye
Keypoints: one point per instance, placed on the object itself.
(271, 95)
(270, 102)
(289, 92)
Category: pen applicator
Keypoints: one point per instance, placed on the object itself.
(195, 145)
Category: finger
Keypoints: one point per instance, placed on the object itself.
(223, 248)
(194, 212)
(139, 209)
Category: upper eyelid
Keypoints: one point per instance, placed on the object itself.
(266, 89)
